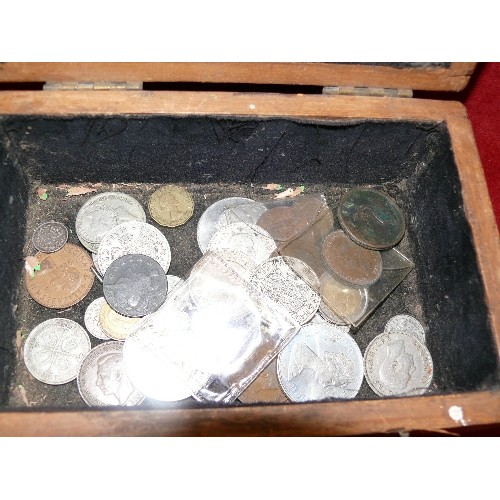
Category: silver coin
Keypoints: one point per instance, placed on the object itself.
(154, 356)
(250, 239)
(403, 323)
(209, 221)
(291, 284)
(91, 319)
(103, 212)
(320, 319)
(102, 380)
(50, 236)
(96, 263)
(397, 364)
(134, 237)
(135, 285)
(54, 350)
(322, 361)
(248, 212)
(238, 261)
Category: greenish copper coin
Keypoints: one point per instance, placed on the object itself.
(371, 219)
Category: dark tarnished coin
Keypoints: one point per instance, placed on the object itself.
(350, 263)
(135, 285)
(102, 380)
(171, 205)
(283, 223)
(64, 279)
(371, 218)
(265, 388)
(50, 236)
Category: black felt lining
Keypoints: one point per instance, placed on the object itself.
(219, 157)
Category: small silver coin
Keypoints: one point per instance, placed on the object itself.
(291, 284)
(135, 285)
(103, 212)
(397, 364)
(91, 319)
(134, 237)
(403, 323)
(50, 236)
(250, 239)
(54, 350)
(322, 361)
(209, 221)
(102, 380)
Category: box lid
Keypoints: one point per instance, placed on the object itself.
(415, 76)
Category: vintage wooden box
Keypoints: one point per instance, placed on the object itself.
(94, 123)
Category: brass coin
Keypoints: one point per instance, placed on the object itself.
(64, 279)
(372, 219)
(283, 223)
(171, 205)
(350, 263)
(265, 388)
(114, 325)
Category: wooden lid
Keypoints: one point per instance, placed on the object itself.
(414, 76)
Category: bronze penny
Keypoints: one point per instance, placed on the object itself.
(372, 219)
(350, 263)
(265, 388)
(64, 279)
(283, 223)
(171, 206)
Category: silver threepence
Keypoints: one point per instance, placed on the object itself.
(403, 323)
(50, 236)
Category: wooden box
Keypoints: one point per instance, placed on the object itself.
(101, 127)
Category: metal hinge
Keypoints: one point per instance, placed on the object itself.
(368, 91)
(92, 86)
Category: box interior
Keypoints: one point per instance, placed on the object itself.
(215, 158)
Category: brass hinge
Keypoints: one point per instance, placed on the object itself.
(368, 91)
(92, 86)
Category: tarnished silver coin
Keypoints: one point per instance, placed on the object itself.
(291, 284)
(134, 237)
(397, 364)
(209, 221)
(322, 361)
(154, 356)
(135, 285)
(102, 380)
(50, 236)
(250, 239)
(103, 212)
(403, 323)
(91, 319)
(55, 349)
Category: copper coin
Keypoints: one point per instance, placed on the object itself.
(265, 388)
(171, 205)
(64, 279)
(372, 219)
(283, 223)
(350, 263)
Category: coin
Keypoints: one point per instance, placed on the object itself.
(171, 205)
(318, 318)
(248, 212)
(283, 223)
(64, 278)
(103, 212)
(250, 239)
(102, 380)
(134, 237)
(341, 304)
(114, 325)
(238, 261)
(350, 263)
(397, 364)
(320, 362)
(209, 221)
(291, 284)
(372, 219)
(50, 236)
(265, 388)
(135, 285)
(91, 318)
(55, 349)
(153, 357)
(403, 323)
